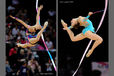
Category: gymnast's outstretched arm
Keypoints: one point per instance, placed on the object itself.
(89, 14)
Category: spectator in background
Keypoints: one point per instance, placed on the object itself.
(34, 66)
(10, 8)
(35, 55)
(19, 38)
(22, 32)
(51, 12)
(8, 26)
(8, 69)
(13, 51)
(49, 66)
(23, 71)
(15, 2)
(29, 54)
(9, 36)
(49, 44)
(24, 14)
(22, 56)
(13, 55)
(19, 14)
(15, 31)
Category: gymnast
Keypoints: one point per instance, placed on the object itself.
(87, 32)
(31, 28)
(33, 39)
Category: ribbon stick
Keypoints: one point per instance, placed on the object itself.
(105, 9)
(45, 43)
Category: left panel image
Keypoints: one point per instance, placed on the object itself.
(30, 38)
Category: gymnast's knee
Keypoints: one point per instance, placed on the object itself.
(100, 40)
(73, 40)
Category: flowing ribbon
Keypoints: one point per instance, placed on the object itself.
(44, 41)
(101, 21)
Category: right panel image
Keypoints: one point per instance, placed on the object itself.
(83, 38)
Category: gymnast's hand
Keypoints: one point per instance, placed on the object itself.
(11, 16)
(90, 13)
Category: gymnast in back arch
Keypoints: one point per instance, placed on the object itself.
(37, 26)
(87, 32)
(32, 39)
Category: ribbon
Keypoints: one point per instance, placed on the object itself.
(45, 43)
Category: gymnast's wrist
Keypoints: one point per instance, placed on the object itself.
(70, 27)
(88, 16)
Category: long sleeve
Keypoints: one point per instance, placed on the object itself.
(87, 17)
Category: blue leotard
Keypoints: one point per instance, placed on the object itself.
(31, 36)
(89, 27)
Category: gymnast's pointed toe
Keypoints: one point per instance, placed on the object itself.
(89, 54)
(46, 23)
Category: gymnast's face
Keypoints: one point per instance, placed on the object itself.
(74, 21)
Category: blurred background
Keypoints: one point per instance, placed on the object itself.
(32, 61)
(70, 53)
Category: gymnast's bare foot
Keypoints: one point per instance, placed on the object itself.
(89, 53)
(41, 7)
(45, 24)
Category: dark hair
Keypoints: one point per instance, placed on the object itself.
(77, 25)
